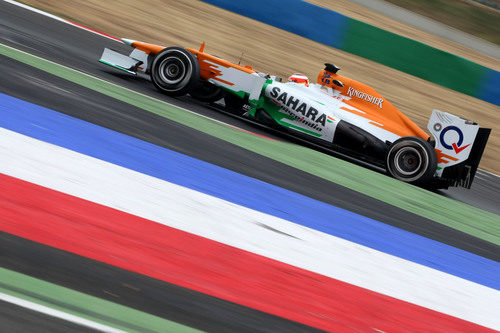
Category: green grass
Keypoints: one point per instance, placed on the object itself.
(84, 306)
(477, 20)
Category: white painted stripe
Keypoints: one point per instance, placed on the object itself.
(182, 208)
(58, 314)
(41, 12)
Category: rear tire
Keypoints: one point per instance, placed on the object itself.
(412, 160)
(175, 71)
(207, 92)
(235, 104)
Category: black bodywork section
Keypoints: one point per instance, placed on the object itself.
(360, 141)
(462, 174)
(349, 140)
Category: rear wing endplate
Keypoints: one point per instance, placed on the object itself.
(460, 144)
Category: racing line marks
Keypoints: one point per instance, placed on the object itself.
(265, 226)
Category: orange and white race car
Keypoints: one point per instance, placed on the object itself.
(337, 112)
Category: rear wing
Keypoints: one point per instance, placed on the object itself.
(460, 144)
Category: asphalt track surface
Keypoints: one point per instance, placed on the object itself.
(136, 291)
(80, 50)
(16, 319)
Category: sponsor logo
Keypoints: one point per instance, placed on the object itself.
(364, 96)
(298, 109)
(456, 146)
(444, 158)
(326, 79)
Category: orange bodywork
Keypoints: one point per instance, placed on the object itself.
(207, 70)
(147, 48)
(372, 105)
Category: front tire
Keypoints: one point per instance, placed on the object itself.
(412, 160)
(175, 71)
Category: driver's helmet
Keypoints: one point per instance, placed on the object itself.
(299, 78)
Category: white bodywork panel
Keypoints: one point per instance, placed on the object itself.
(118, 60)
(141, 56)
(310, 113)
(236, 80)
(328, 103)
(454, 138)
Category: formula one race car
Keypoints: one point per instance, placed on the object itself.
(337, 112)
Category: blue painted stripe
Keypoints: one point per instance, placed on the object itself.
(296, 16)
(489, 90)
(86, 138)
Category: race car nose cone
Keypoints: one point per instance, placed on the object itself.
(128, 41)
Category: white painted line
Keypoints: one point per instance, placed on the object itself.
(488, 173)
(41, 12)
(12, 2)
(58, 314)
(185, 209)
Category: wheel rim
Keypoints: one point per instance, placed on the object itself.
(408, 161)
(172, 70)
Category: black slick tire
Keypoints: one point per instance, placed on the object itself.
(207, 92)
(175, 71)
(412, 160)
(235, 104)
